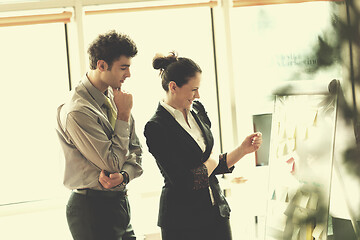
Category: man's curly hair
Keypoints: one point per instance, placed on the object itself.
(109, 47)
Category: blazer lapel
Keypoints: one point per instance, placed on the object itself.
(177, 128)
(209, 141)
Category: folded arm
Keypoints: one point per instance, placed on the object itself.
(122, 151)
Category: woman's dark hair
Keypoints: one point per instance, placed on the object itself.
(177, 69)
(109, 47)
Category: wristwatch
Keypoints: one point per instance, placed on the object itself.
(125, 178)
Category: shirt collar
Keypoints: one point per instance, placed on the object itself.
(172, 110)
(96, 94)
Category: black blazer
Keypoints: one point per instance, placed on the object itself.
(185, 199)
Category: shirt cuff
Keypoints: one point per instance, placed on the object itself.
(122, 128)
(129, 170)
(223, 164)
(201, 179)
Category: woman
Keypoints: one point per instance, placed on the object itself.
(192, 205)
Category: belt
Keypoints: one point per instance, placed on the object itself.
(99, 193)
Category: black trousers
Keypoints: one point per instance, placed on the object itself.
(99, 217)
(343, 229)
(219, 229)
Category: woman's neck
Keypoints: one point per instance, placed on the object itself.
(182, 110)
(169, 101)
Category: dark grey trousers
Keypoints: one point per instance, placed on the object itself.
(99, 217)
(219, 229)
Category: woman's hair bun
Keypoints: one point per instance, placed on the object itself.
(161, 62)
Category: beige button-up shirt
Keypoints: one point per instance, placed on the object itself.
(89, 142)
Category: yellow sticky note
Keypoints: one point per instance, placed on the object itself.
(315, 119)
(278, 128)
(282, 193)
(278, 151)
(306, 133)
(309, 231)
(291, 145)
(295, 131)
(285, 150)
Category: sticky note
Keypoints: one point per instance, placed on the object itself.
(286, 150)
(303, 200)
(291, 164)
(319, 228)
(296, 233)
(315, 119)
(282, 193)
(313, 202)
(273, 197)
(279, 222)
(299, 215)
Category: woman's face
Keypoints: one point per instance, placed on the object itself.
(185, 95)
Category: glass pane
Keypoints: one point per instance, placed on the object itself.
(34, 81)
(160, 31)
(273, 44)
(276, 43)
(300, 166)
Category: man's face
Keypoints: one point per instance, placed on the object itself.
(120, 70)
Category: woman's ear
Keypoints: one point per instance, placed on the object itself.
(172, 86)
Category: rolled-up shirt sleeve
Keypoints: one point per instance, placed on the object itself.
(132, 165)
(122, 150)
(222, 167)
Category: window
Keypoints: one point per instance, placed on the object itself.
(34, 81)
(274, 43)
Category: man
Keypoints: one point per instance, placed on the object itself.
(101, 149)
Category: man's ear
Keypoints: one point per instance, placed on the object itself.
(102, 65)
(172, 86)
